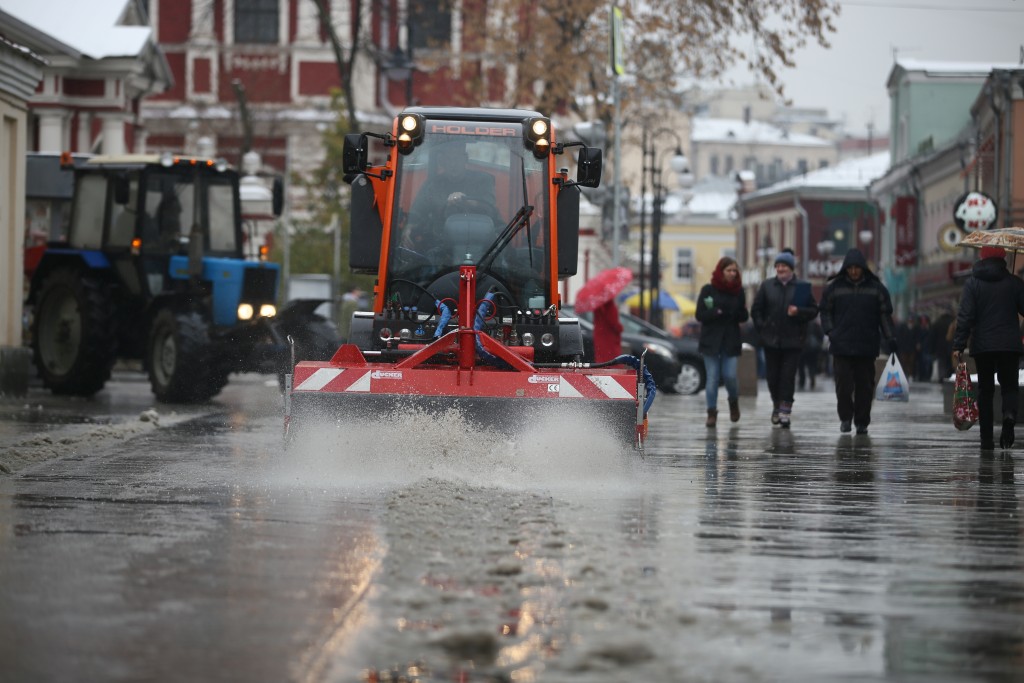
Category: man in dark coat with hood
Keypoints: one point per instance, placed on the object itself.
(991, 300)
(856, 312)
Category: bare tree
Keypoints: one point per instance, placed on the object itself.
(344, 63)
(561, 50)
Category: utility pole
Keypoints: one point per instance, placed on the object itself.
(617, 69)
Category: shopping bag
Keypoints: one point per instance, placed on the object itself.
(965, 405)
(892, 385)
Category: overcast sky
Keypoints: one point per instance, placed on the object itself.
(849, 78)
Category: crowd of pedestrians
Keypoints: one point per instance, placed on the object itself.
(842, 335)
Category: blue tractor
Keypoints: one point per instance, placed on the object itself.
(152, 268)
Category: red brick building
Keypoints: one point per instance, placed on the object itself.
(278, 53)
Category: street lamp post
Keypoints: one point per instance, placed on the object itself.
(643, 219)
(680, 165)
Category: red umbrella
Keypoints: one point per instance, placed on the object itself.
(602, 288)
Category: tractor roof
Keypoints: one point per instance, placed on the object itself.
(472, 113)
(140, 160)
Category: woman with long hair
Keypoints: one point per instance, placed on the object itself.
(721, 308)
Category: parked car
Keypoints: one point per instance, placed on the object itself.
(661, 358)
(690, 378)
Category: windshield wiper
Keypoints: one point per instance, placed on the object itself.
(518, 222)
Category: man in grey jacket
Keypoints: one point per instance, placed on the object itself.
(854, 308)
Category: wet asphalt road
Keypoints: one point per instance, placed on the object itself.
(202, 551)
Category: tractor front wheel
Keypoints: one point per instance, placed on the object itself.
(179, 358)
(73, 340)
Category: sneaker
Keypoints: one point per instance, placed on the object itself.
(862, 430)
(775, 416)
(784, 420)
(845, 426)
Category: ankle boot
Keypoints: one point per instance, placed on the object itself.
(712, 418)
(734, 410)
(785, 411)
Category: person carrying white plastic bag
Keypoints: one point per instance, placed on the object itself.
(990, 302)
(893, 384)
(856, 313)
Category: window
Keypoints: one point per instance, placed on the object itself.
(122, 218)
(90, 202)
(256, 21)
(714, 164)
(430, 23)
(801, 166)
(684, 265)
(728, 164)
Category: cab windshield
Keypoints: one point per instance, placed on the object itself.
(170, 210)
(456, 193)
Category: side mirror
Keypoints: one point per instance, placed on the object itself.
(277, 196)
(355, 155)
(122, 190)
(588, 171)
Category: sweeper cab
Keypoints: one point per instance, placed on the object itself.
(469, 222)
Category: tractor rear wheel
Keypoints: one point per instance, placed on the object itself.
(180, 359)
(73, 340)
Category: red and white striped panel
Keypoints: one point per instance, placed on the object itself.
(336, 379)
(592, 386)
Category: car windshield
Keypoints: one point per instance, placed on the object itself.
(455, 194)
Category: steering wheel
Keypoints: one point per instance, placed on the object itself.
(446, 286)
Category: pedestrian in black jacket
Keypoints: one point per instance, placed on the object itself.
(856, 312)
(782, 308)
(721, 307)
(991, 300)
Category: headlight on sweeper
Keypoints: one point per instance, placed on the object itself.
(268, 311)
(245, 311)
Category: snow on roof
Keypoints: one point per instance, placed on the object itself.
(89, 27)
(717, 204)
(851, 174)
(958, 68)
(706, 129)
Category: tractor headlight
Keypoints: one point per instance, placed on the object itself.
(410, 131)
(547, 340)
(538, 136)
(527, 338)
(659, 349)
(245, 311)
(268, 310)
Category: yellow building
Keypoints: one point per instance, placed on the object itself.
(694, 236)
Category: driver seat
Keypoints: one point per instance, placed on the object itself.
(467, 236)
